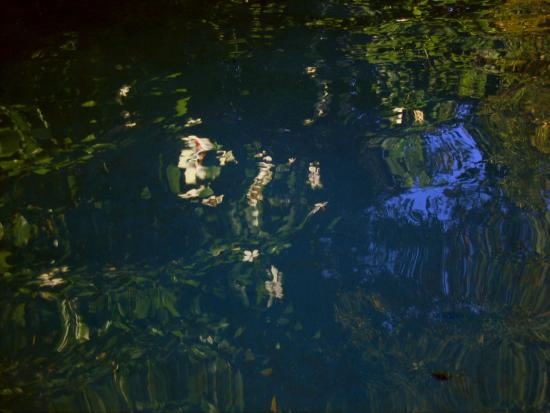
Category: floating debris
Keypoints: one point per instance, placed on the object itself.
(268, 372)
(275, 286)
(250, 256)
(291, 161)
(441, 375)
(314, 175)
(213, 200)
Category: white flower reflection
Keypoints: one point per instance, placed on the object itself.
(192, 122)
(250, 256)
(191, 162)
(213, 200)
(275, 286)
(314, 175)
(254, 194)
(193, 193)
(49, 279)
(124, 91)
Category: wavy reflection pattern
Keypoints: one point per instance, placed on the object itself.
(474, 269)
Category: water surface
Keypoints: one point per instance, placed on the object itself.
(278, 206)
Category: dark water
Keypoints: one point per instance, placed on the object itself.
(388, 162)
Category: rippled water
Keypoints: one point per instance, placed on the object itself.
(279, 206)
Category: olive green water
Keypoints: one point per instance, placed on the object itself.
(279, 206)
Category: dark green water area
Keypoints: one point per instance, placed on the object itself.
(287, 206)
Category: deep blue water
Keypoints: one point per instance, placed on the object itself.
(288, 206)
